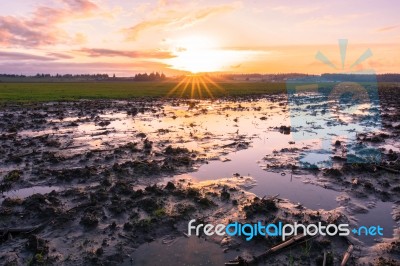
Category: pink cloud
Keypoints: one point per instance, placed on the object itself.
(42, 26)
(388, 28)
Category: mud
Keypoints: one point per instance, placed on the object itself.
(116, 182)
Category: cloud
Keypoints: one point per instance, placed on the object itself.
(60, 56)
(133, 32)
(23, 56)
(82, 5)
(388, 28)
(236, 66)
(42, 26)
(20, 56)
(167, 18)
(132, 54)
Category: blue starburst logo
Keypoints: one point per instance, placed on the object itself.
(335, 107)
(343, 52)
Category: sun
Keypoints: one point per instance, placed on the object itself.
(199, 54)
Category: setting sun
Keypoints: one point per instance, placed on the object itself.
(202, 54)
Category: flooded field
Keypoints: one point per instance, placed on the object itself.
(116, 182)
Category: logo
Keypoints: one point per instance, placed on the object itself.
(249, 231)
(333, 107)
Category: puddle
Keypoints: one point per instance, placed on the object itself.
(380, 214)
(287, 185)
(234, 137)
(319, 159)
(182, 251)
(26, 192)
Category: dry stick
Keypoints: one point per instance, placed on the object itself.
(347, 255)
(324, 262)
(287, 243)
(280, 246)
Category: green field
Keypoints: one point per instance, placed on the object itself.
(70, 91)
(42, 92)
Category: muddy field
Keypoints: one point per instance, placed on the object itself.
(116, 182)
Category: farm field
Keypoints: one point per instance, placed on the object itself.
(124, 169)
(41, 92)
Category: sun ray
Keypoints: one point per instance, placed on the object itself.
(206, 88)
(192, 92)
(199, 90)
(196, 86)
(209, 80)
(176, 87)
(185, 87)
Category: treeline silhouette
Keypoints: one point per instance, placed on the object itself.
(153, 76)
(157, 76)
(149, 77)
(362, 77)
(42, 75)
(266, 77)
(349, 77)
(388, 78)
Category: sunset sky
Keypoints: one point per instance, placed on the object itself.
(126, 37)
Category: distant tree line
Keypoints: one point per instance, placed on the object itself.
(156, 76)
(362, 77)
(153, 76)
(149, 77)
(12, 76)
(42, 75)
(102, 76)
(388, 78)
(138, 77)
(327, 77)
(349, 77)
(266, 77)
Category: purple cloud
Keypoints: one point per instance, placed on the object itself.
(132, 54)
(10, 56)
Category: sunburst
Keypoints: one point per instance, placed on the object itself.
(196, 86)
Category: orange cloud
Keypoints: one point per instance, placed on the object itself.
(133, 32)
(176, 19)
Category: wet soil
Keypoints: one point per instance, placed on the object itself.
(116, 182)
